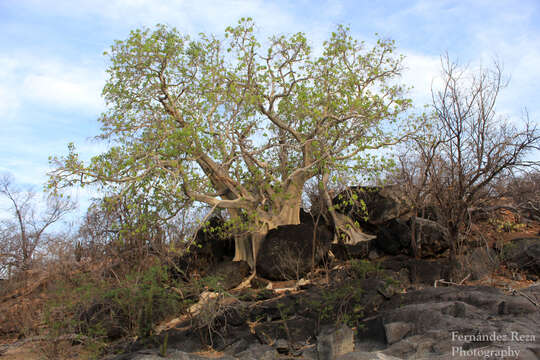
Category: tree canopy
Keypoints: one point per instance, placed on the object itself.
(241, 124)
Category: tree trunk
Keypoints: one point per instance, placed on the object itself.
(247, 246)
(414, 246)
(243, 250)
(453, 238)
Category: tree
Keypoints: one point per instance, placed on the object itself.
(238, 125)
(469, 146)
(21, 235)
(131, 222)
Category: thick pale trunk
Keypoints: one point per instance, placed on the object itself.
(247, 247)
(345, 225)
(243, 250)
(342, 223)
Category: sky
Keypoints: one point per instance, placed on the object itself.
(52, 67)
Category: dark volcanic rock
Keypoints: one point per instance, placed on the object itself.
(286, 252)
(297, 330)
(524, 254)
(428, 323)
(356, 251)
(431, 240)
(382, 204)
(333, 342)
(212, 243)
(393, 237)
(211, 246)
(231, 273)
(427, 272)
(424, 324)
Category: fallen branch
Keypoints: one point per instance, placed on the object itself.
(442, 281)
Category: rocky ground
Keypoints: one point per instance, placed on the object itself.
(389, 308)
(369, 301)
(393, 311)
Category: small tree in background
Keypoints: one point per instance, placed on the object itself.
(25, 231)
(468, 147)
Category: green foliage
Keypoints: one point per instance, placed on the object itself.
(362, 268)
(101, 309)
(340, 305)
(507, 225)
(234, 124)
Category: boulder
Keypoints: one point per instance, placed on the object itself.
(211, 246)
(297, 330)
(212, 242)
(396, 331)
(356, 251)
(173, 355)
(286, 252)
(431, 238)
(333, 342)
(372, 205)
(524, 254)
(258, 352)
(393, 237)
(430, 323)
(426, 272)
(230, 273)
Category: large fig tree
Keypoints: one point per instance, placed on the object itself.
(238, 123)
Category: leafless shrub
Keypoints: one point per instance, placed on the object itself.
(454, 165)
(23, 233)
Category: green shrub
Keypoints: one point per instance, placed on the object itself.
(101, 309)
(360, 269)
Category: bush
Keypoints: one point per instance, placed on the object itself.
(99, 309)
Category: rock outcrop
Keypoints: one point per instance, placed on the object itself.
(524, 254)
(286, 252)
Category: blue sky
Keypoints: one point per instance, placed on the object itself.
(52, 66)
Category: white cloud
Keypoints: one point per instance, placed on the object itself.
(77, 90)
(9, 101)
(56, 84)
(202, 15)
(421, 72)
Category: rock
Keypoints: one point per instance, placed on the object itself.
(230, 273)
(396, 331)
(297, 330)
(310, 353)
(213, 240)
(172, 354)
(258, 283)
(427, 272)
(286, 252)
(428, 323)
(382, 204)
(430, 238)
(282, 346)
(237, 347)
(333, 342)
(393, 237)
(258, 352)
(524, 254)
(356, 251)
(362, 355)
(479, 262)
(211, 246)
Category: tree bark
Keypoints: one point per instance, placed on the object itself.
(247, 245)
